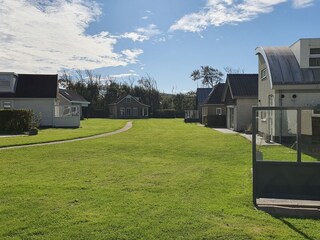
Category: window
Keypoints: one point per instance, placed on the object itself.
(218, 111)
(128, 111)
(314, 62)
(7, 104)
(122, 111)
(316, 111)
(263, 73)
(128, 99)
(314, 50)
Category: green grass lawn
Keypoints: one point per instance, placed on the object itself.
(162, 179)
(87, 128)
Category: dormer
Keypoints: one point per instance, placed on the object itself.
(307, 52)
(8, 82)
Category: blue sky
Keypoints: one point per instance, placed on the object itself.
(166, 39)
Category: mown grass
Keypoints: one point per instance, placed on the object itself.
(87, 128)
(162, 179)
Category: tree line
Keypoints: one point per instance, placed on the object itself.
(102, 92)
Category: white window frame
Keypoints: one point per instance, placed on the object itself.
(263, 74)
(218, 111)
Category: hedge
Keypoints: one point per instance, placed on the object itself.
(215, 121)
(15, 121)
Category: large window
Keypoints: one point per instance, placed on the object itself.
(314, 50)
(128, 111)
(314, 62)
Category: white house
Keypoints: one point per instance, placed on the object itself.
(289, 76)
(68, 97)
(39, 93)
(240, 94)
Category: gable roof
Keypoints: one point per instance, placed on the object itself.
(34, 86)
(128, 96)
(215, 96)
(72, 96)
(284, 68)
(202, 94)
(242, 85)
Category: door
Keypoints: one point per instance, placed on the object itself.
(231, 117)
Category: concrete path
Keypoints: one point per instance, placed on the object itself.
(225, 130)
(259, 140)
(125, 128)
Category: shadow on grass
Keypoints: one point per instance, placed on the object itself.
(291, 226)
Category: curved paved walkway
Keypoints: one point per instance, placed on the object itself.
(125, 128)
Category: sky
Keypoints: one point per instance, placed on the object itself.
(125, 40)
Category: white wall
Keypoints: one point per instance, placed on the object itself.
(243, 113)
(301, 50)
(69, 121)
(45, 107)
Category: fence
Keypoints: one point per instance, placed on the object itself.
(283, 179)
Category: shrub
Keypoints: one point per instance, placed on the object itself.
(15, 121)
(164, 113)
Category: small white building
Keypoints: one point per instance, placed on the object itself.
(289, 76)
(39, 93)
(240, 94)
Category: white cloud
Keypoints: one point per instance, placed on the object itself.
(45, 36)
(123, 75)
(148, 13)
(132, 54)
(302, 3)
(142, 34)
(221, 12)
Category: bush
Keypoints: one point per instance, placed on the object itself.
(215, 121)
(15, 121)
(164, 113)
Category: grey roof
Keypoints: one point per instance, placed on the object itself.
(72, 96)
(34, 86)
(284, 67)
(202, 94)
(120, 99)
(215, 96)
(243, 85)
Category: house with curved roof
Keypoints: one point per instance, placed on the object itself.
(289, 76)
